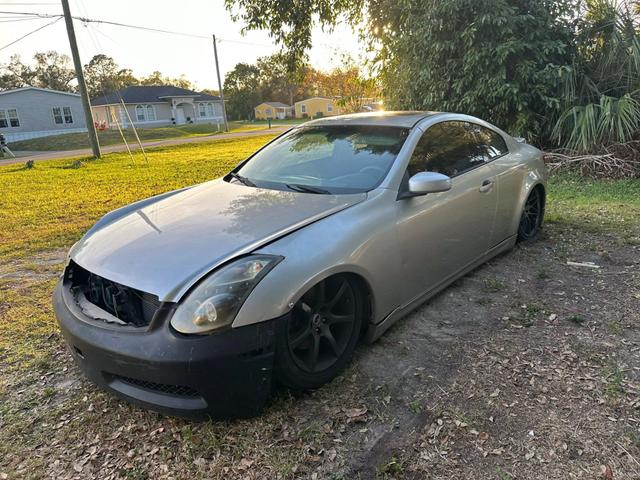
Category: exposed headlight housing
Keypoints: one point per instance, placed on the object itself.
(215, 302)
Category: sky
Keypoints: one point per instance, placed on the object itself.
(145, 51)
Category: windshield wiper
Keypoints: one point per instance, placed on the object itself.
(307, 189)
(242, 179)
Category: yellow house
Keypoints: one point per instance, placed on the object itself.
(316, 107)
(273, 110)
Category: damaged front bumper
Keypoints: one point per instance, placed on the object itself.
(222, 375)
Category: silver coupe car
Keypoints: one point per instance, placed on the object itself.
(195, 302)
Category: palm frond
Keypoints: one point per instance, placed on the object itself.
(610, 120)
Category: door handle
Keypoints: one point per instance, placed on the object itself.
(486, 186)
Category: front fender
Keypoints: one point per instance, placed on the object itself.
(360, 240)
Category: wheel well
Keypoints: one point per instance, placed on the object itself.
(543, 193)
(367, 295)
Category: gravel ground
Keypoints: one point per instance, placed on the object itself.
(527, 368)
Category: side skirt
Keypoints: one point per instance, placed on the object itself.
(375, 331)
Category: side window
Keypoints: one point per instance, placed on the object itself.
(450, 148)
(151, 113)
(492, 143)
(57, 115)
(9, 118)
(140, 115)
(68, 117)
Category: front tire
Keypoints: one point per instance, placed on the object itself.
(318, 339)
(532, 215)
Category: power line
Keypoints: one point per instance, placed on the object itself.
(18, 19)
(30, 33)
(171, 32)
(140, 27)
(32, 14)
(149, 29)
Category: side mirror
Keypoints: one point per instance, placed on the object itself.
(428, 182)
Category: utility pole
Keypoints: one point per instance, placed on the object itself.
(91, 128)
(224, 108)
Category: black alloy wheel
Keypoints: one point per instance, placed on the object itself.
(531, 216)
(321, 333)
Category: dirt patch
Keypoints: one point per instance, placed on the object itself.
(526, 368)
(43, 266)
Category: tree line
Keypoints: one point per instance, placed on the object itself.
(271, 80)
(55, 71)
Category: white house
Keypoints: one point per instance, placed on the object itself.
(32, 112)
(149, 106)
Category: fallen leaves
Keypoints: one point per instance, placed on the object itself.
(355, 414)
(606, 473)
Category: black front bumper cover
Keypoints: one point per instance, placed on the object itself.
(224, 375)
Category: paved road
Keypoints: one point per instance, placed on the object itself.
(22, 157)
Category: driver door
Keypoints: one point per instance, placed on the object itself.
(442, 233)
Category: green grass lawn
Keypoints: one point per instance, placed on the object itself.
(72, 141)
(595, 205)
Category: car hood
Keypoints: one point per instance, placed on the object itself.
(166, 246)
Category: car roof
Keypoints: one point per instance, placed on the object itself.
(405, 119)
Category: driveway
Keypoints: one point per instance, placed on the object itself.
(23, 157)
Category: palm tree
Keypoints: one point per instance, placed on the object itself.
(601, 95)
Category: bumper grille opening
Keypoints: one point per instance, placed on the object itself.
(175, 390)
(124, 305)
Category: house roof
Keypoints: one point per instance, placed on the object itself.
(276, 104)
(313, 98)
(149, 94)
(405, 119)
(48, 90)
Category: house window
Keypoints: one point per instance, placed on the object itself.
(151, 113)
(57, 115)
(68, 118)
(13, 117)
(140, 113)
(329, 108)
(206, 110)
(303, 108)
(9, 118)
(62, 115)
(268, 112)
(145, 113)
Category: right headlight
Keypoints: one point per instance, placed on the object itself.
(215, 302)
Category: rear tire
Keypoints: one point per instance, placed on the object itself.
(320, 335)
(532, 215)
